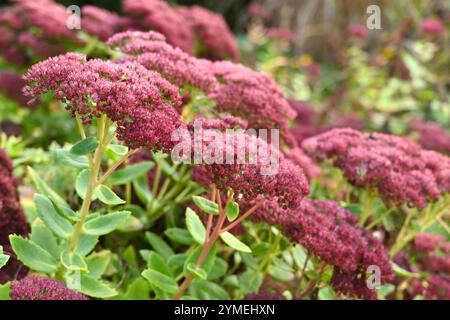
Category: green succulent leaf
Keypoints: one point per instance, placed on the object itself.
(232, 211)
(161, 281)
(129, 173)
(50, 216)
(32, 255)
(195, 226)
(105, 224)
(206, 205)
(107, 196)
(84, 146)
(73, 261)
(234, 242)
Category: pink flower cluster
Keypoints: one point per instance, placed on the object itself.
(432, 26)
(285, 187)
(237, 90)
(33, 24)
(41, 288)
(396, 167)
(150, 50)
(431, 135)
(139, 101)
(183, 25)
(158, 15)
(12, 218)
(280, 34)
(206, 26)
(258, 10)
(102, 23)
(329, 232)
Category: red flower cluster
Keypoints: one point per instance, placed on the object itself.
(300, 158)
(102, 23)
(150, 50)
(12, 218)
(252, 180)
(158, 15)
(41, 288)
(139, 101)
(35, 25)
(206, 26)
(431, 135)
(329, 232)
(396, 167)
(250, 95)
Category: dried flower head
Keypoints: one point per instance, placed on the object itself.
(150, 50)
(158, 15)
(396, 167)
(207, 25)
(41, 288)
(139, 101)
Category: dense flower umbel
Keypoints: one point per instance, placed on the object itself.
(150, 50)
(396, 167)
(432, 26)
(160, 16)
(12, 218)
(102, 23)
(35, 25)
(329, 232)
(41, 288)
(250, 95)
(138, 100)
(431, 135)
(286, 184)
(207, 27)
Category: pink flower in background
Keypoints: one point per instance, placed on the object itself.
(258, 10)
(41, 288)
(397, 167)
(11, 85)
(432, 26)
(300, 158)
(425, 242)
(431, 135)
(141, 102)
(207, 27)
(357, 31)
(280, 34)
(158, 15)
(102, 23)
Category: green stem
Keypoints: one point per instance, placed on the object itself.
(95, 169)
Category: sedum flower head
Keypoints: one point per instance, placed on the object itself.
(151, 51)
(207, 25)
(139, 101)
(396, 167)
(41, 288)
(431, 135)
(102, 23)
